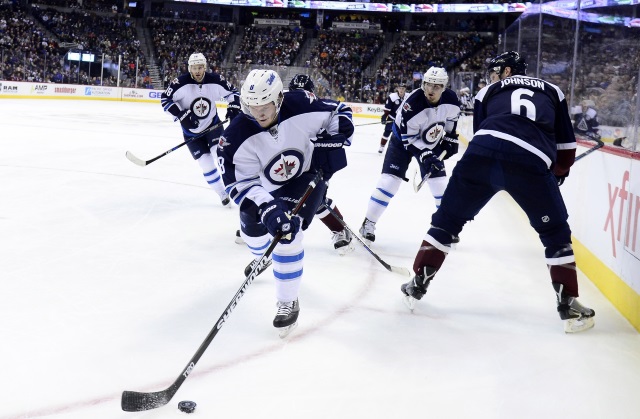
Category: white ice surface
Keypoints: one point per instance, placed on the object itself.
(112, 275)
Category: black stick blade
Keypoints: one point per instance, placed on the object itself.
(133, 401)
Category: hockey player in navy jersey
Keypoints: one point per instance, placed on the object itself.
(268, 155)
(191, 99)
(424, 129)
(586, 120)
(523, 144)
(390, 110)
(341, 237)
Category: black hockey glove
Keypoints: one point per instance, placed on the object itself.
(449, 145)
(233, 110)
(430, 162)
(385, 119)
(188, 120)
(275, 217)
(327, 142)
(328, 153)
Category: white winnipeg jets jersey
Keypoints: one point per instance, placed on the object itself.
(256, 161)
(422, 124)
(185, 93)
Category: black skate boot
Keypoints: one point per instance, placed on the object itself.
(367, 230)
(576, 317)
(239, 239)
(265, 264)
(342, 241)
(415, 289)
(287, 317)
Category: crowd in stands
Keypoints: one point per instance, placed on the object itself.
(270, 45)
(348, 65)
(174, 40)
(32, 43)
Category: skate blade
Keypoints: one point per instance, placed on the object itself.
(409, 301)
(578, 325)
(345, 249)
(239, 240)
(283, 332)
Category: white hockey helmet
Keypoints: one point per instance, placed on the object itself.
(436, 75)
(261, 87)
(197, 59)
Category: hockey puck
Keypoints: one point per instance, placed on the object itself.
(187, 406)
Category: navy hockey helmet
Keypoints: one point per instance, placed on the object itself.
(301, 82)
(510, 59)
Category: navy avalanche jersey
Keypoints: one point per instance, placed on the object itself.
(423, 125)
(256, 161)
(522, 111)
(185, 93)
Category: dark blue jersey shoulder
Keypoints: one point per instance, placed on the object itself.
(449, 97)
(298, 102)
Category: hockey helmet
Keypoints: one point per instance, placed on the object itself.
(197, 59)
(301, 82)
(436, 75)
(509, 59)
(260, 88)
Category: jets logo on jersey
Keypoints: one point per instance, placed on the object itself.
(222, 142)
(433, 134)
(201, 107)
(284, 167)
(406, 107)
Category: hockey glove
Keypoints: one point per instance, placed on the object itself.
(327, 142)
(385, 119)
(449, 145)
(328, 153)
(275, 217)
(430, 162)
(233, 110)
(188, 120)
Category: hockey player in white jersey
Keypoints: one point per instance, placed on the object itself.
(390, 111)
(341, 237)
(191, 99)
(268, 156)
(424, 128)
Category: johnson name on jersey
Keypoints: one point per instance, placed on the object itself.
(522, 110)
(185, 93)
(423, 125)
(256, 161)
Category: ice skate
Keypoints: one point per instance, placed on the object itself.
(342, 241)
(239, 239)
(367, 231)
(381, 149)
(286, 319)
(265, 264)
(576, 317)
(415, 289)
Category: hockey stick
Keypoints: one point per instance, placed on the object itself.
(140, 162)
(368, 123)
(390, 268)
(133, 401)
(417, 186)
(591, 150)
